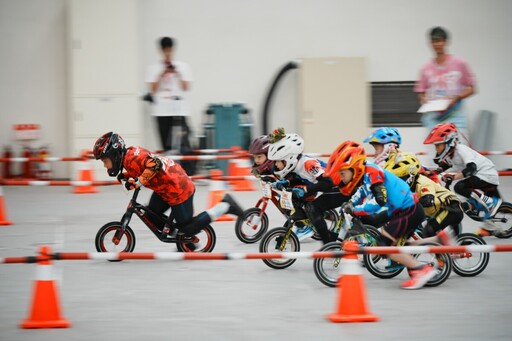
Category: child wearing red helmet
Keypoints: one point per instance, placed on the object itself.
(172, 187)
(479, 179)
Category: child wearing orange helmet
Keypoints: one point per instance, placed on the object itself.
(348, 168)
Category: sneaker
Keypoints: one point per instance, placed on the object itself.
(446, 238)
(483, 232)
(419, 277)
(493, 204)
(234, 208)
(304, 232)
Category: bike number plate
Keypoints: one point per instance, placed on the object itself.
(266, 189)
(286, 200)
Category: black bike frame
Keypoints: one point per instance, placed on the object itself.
(142, 212)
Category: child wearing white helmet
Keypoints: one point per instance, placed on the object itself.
(306, 175)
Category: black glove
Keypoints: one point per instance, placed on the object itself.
(347, 208)
(282, 184)
(132, 183)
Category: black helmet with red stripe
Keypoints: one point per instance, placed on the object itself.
(111, 145)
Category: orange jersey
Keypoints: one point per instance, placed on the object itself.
(170, 182)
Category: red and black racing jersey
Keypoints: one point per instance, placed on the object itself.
(170, 182)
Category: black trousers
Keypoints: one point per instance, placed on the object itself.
(169, 125)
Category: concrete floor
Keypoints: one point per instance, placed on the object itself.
(220, 300)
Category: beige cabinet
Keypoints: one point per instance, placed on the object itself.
(334, 102)
(103, 73)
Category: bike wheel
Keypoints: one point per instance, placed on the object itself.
(469, 264)
(204, 241)
(331, 217)
(104, 239)
(327, 270)
(382, 267)
(272, 242)
(251, 225)
(443, 262)
(503, 218)
(378, 265)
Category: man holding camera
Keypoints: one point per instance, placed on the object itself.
(168, 81)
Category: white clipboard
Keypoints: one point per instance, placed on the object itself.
(435, 105)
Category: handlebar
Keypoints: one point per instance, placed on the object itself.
(448, 181)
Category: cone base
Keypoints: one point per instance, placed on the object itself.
(245, 187)
(6, 222)
(80, 190)
(338, 318)
(45, 324)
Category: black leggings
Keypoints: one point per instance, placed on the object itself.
(315, 211)
(183, 145)
(182, 213)
(466, 186)
(451, 216)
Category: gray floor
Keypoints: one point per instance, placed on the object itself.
(220, 300)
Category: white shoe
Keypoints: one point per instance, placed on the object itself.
(304, 232)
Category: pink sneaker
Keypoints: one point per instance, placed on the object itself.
(446, 238)
(419, 277)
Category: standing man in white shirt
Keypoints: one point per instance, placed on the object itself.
(168, 81)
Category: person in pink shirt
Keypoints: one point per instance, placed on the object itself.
(445, 77)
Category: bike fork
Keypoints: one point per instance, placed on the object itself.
(116, 239)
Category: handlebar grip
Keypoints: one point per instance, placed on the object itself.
(448, 181)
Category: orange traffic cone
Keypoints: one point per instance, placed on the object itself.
(352, 292)
(216, 193)
(242, 168)
(45, 311)
(85, 173)
(3, 211)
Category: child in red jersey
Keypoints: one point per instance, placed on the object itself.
(172, 188)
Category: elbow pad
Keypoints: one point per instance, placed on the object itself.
(469, 170)
(427, 200)
(380, 193)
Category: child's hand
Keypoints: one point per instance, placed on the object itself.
(282, 184)
(132, 183)
(298, 193)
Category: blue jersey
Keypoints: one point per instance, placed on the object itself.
(399, 194)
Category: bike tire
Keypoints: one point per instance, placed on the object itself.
(331, 217)
(505, 213)
(268, 244)
(472, 263)
(327, 270)
(205, 241)
(378, 265)
(248, 232)
(103, 240)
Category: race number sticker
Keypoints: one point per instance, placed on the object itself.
(286, 200)
(266, 189)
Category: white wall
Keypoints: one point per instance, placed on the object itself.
(235, 48)
(33, 72)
